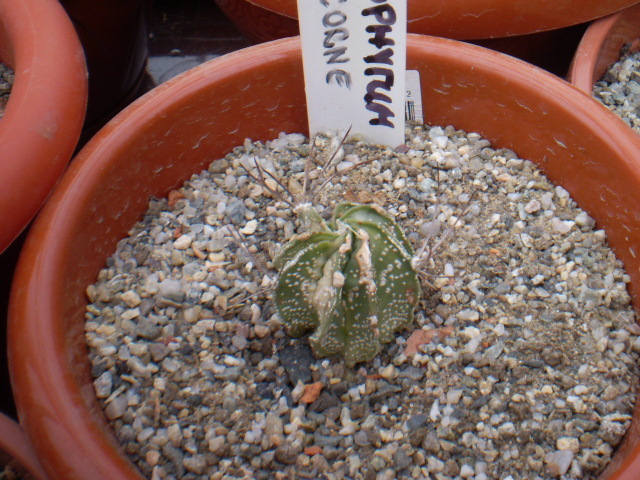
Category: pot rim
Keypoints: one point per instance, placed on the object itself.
(49, 371)
(601, 44)
(44, 116)
(481, 19)
(14, 442)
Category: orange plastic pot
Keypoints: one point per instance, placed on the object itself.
(600, 46)
(178, 128)
(262, 20)
(15, 450)
(44, 116)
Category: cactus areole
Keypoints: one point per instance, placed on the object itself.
(350, 280)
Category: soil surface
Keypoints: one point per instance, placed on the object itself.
(521, 361)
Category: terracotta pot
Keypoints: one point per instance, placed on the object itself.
(600, 46)
(43, 119)
(157, 142)
(547, 41)
(459, 19)
(15, 450)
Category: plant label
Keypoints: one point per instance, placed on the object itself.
(413, 98)
(354, 59)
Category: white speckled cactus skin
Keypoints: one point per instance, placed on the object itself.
(350, 280)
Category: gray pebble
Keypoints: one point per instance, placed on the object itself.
(235, 211)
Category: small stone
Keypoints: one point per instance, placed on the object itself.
(196, 464)
(287, 453)
(412, 373)
(250, 228)
(430, 443)
(401, 460)
(116, 408)
(103, 384)
(182, 242)
(434, 464)
(239, 342)
(378, 463)
(389, 372)
(152, 457)
(561, 227)
(568, 443)
(145, 328)
(583, 219)
(416, 421)
(261, 331)
(611, 432)
(476, 164)
(274, 425)
(466, 471)
(218, 445)
(171, 289)
(533, 206)
(312, 450)
(170, 365)
(311, 392)
(558, 462)
(468, 315)
(235, 211)
(453, 396)
(130, 314)
(131, 298)
(361, 439)
(297, 360)
(451, 468)
(174, 433)
(158, 351)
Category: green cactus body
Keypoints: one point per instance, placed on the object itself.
(350, 280)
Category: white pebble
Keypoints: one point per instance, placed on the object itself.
(250, 227)
(448, 270)
(561, 192)
(440, 141)
(466, 471)
(342, 166)
(558, 462)
(468, 315)
(560, 226)
(434, 413)
(533, 206)
(453, 396)
(471, 332)
(583, 219)
(182, 242)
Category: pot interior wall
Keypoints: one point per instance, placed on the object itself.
(173, 132)
(600, 47)
(6, 52)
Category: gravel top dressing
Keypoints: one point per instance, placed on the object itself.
(6, 82)
(521, 361)
(619, 88)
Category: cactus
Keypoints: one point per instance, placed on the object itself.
(350, 280)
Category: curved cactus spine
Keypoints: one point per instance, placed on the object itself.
(350, 280)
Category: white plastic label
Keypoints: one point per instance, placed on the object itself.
(413, 100)
(354, 57)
